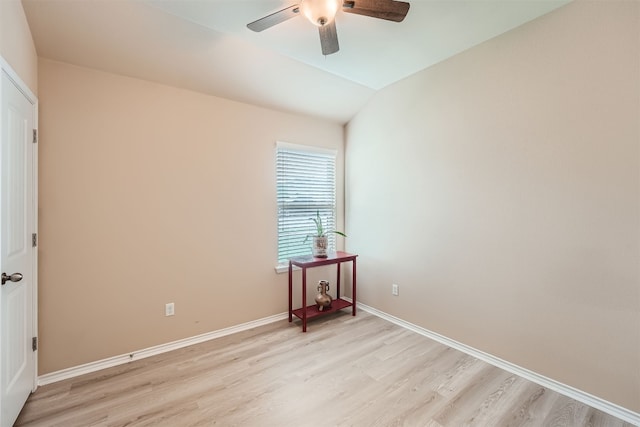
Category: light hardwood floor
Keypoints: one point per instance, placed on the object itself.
(344, 371)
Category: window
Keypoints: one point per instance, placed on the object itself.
(306, 184)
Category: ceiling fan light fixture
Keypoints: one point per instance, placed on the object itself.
(319, 12)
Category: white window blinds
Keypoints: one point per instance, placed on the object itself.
(306, 184)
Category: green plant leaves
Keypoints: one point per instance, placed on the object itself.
(320, 231)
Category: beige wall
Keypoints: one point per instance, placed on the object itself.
(151, 194)
(16, 44)
(505, 198)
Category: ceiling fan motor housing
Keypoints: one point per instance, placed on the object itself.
(320, 12)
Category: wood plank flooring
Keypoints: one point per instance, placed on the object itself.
(345, 371)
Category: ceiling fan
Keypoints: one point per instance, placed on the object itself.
(322, 14)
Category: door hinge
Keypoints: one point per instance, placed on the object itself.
(34, 240)
(35, 136)
(34, 343)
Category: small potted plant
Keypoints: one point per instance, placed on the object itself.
(320, 242)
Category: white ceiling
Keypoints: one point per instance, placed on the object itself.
(204, 45)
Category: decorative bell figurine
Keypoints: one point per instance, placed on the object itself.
(323, 300)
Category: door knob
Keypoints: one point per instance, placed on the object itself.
(15, 277)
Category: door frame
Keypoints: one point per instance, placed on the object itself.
(31, 97)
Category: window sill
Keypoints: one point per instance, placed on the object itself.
(284, 268)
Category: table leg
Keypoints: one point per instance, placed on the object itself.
(353, 288)
(290, 292)
(304, 299)
(338, 283)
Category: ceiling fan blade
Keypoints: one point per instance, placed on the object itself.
(389, 10)
(274, 19)
(329, 38)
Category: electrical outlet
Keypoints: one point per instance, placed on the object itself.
(394, 290)
(169, 309)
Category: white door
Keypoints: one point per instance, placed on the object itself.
(17, 263)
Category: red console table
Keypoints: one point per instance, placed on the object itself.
(309, 312)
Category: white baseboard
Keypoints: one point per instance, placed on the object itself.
(581, 396)
(152, 351)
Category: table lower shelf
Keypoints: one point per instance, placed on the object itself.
(312, 310)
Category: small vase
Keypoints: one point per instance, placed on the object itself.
(319, 249)
(323, 300)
